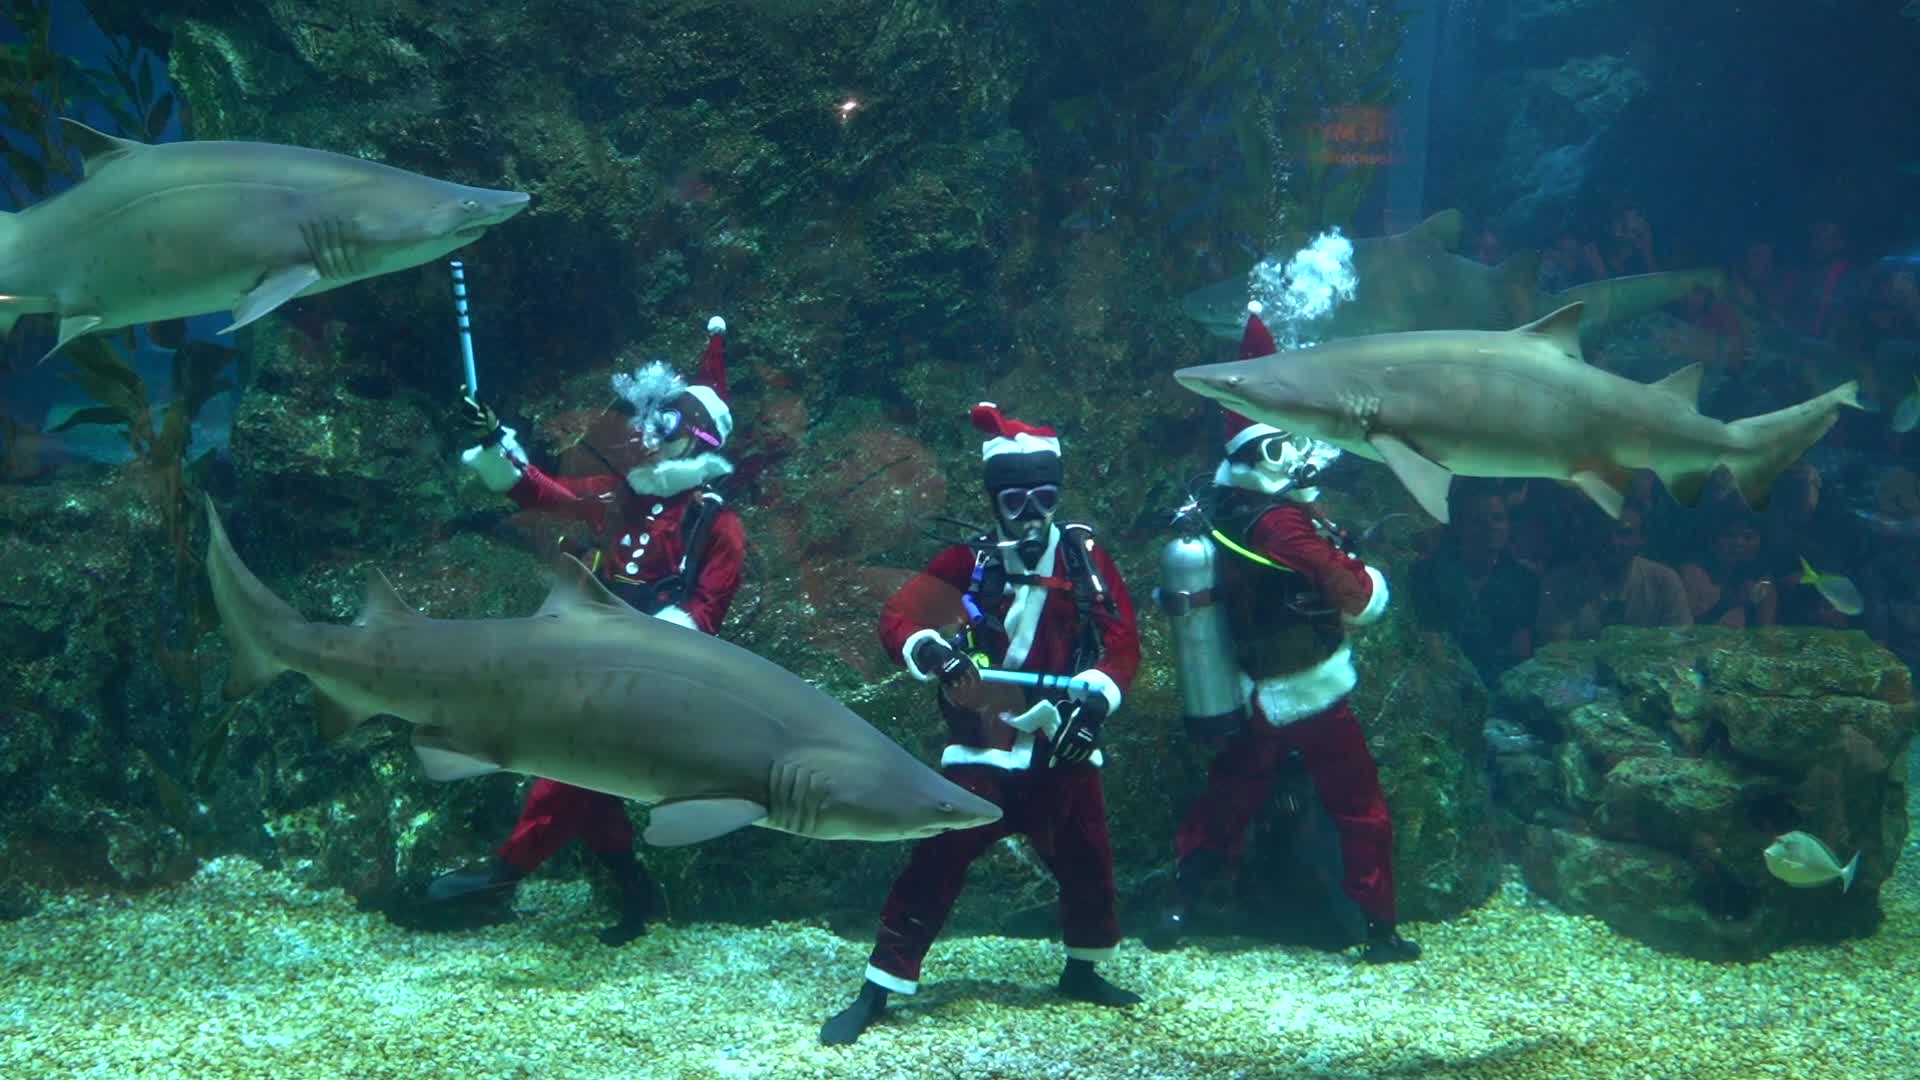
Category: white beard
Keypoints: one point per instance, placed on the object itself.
(678, 475)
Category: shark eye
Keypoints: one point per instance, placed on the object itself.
(470, 204)
(1236, 380)
(946, 808)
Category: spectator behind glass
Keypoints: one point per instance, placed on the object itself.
(1799, 524)
(1729, 586)
(1473, 590)
(1612, 585)
(1629, 245)
(1829, 296)
(1759, 286)
(1564, 264)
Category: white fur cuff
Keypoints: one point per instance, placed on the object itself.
(1376, 604)
(891, 982)
(677, 616)
(499, 466)
(1284, 699)
(1104, 685)
(1094, 956)
(913, 642)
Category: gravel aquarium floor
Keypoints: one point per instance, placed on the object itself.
(242, 973)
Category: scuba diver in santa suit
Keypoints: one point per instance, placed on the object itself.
(1291, 588)
(664, 542)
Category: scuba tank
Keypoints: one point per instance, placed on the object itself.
(1203, 664)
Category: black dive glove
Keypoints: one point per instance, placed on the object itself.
(1079, 733)
(477, 421)
(951, 665)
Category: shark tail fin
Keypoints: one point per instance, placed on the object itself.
(1770, 442)
(248, 613)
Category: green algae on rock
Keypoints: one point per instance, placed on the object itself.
(1651, 768)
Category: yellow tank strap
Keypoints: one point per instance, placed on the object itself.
(1253, 556)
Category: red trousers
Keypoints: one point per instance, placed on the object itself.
(1240, 782)
(1061, 811)
(555, 814)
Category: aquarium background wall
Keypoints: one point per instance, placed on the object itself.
(901, 209)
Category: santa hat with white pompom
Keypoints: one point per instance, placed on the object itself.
(1255, 342)
(1015, 453)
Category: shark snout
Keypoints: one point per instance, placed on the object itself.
(485, 207)
(1221, 382)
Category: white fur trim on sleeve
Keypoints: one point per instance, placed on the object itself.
(1105, 685)
(676, 615)
(1376, 604)
(906, 653)
(889, 981)
(1094, 956)
(499, 466)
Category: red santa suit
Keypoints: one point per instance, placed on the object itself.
(1059, 808)
(1289, 617)
(640, 524)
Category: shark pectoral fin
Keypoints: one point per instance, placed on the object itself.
(273, 290)
(1684, 384)
(690, 821)
(1601, 490)
(97, 148)
(445, 758)
(71, 327)
(1423, 479)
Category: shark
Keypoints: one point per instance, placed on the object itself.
(1515, 403)
(1414, 281)
(158, 232)
(591, 692)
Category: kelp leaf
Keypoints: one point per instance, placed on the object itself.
(197, 368)
(99, 414)
(158, 116)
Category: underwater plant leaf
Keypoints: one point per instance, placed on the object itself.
(175, 807)
(27, 168)
(146, 78)
(170, 444)
(158, 116)
(99, 414)
(210, 747)
(110, 380)
(197, 367)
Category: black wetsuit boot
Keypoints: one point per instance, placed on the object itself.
(635, 897)
(488, 879)
(1081, 983)
(847, 1025)
(1189, 875)
(1386, 946)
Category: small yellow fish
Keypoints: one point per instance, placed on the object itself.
(1840, 591)
(1804, 862)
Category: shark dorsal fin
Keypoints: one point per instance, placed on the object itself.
(383, 603)
(1562, 328)
(1684, 384)
(1442, 229)
(577, 591)
(97, 148)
